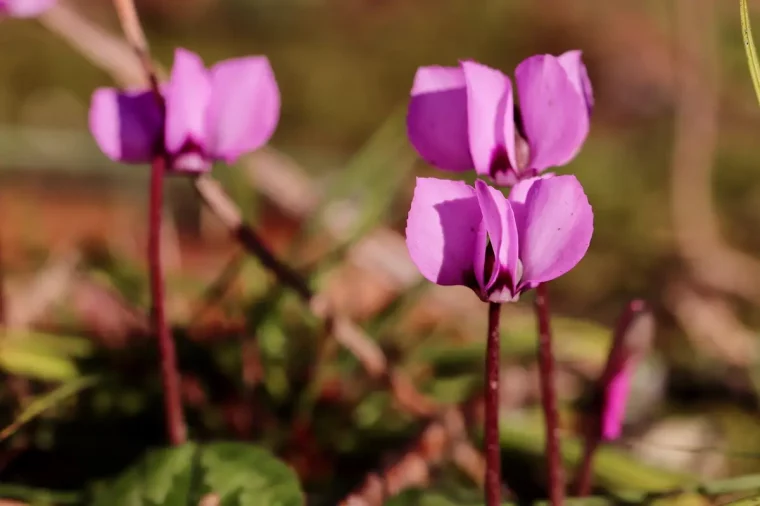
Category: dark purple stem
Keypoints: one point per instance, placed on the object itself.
(585, 474)
(615, 361)
(175, 423)
(491, 432)
(549, 398)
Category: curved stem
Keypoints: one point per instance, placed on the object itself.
(175, 423)
(549, 398)
(491, 432)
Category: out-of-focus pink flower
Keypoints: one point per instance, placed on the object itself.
(632, 341)
(499, 247)
(615, 399)
(215, 114)
(465, 117)
(24, 8)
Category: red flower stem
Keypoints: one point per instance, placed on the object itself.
(585, 472)
(549, 398)
(491, 429)
(615, 358)
(175, 423)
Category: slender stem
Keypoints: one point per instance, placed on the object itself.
(175, 423)
(585, 472)
(130, 23)
(217, 200)
(549, 398)
(287, 276)
(491, 432)
(627, 341)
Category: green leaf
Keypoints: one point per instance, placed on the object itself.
(239, 474)
(47, 357)
(614, 469)
(749, 48)
(251, 474)
(48, 401)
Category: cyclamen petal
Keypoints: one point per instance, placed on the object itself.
(127, 126)
(244, 107)
(459, 235)
(209, 115)
(187, 97)
(464, 118)
(519, 194)
(502, 232)
(490, 112)
(576, 70)
(554, 114)
(436, 121)
(442, 229)
(556, 229)
(24, 8)
(614, 403)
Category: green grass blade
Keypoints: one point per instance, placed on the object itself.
(749, 47)
(48, 401)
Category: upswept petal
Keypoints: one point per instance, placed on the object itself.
(573, 64)
(554, 115)
(243, 109)
(556, 229)
(187, 96)
(442, 229)
(436, 120)
(518, 195)
(502, 231)
(127, 126)
(614, 404)
(24, 8)
(490, 118)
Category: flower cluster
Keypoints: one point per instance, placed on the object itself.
(465, 117)
(203, 115)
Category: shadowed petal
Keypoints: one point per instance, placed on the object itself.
(555, 116)
(572, 62)
(490, 117)
(442, 229)
(24, 8)
(614, 403)
(502, 231)
(127, 126)
(557, 228)
(187, 96)
(436, 122)
(244, 107)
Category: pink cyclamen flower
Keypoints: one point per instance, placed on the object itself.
(24, 8)
(215, 114)
(499, 247)
(631, 342)
(465, 117)
(614, 401)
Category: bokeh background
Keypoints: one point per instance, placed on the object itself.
(670, 167)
